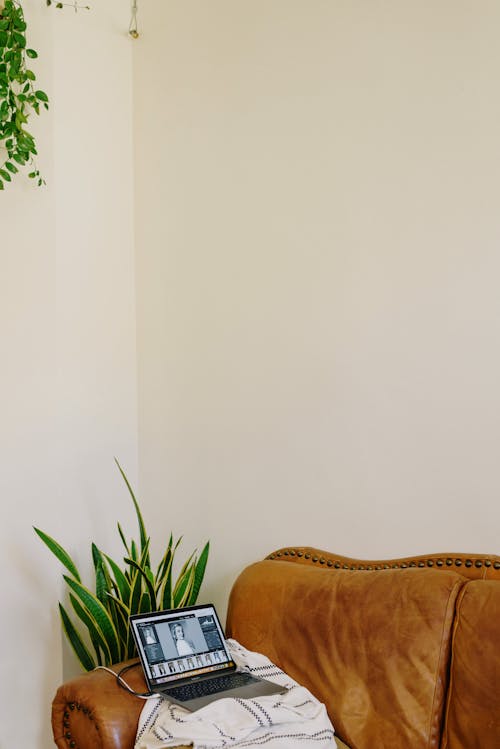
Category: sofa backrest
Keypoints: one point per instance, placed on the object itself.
(473, 704)
(372, 644)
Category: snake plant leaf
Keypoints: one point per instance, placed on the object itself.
(102, 579)
(76, 642)
(145, 604)
(163, 570)
(135, 591)
(122, 583)
(167, 557)
(123, 591)
(165, 593)
(59, 552)
(96, 637)
(102, 619)
(122, 536)
(163, 561)
(199, 574)
(133, 551)
(121, 606)
(149, 586)
(120, 614)
(184, 587)
(184, 570)
(140, 521)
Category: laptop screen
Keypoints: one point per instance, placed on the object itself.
(180, 644)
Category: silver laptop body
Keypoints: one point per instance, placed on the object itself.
(185, 657)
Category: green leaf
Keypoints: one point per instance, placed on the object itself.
(120, 605)
(102, 581)
(135, 592)
(32, 53)
(59, 552)
(120, 579)
(95, 637)
(102, 619)
(19, 39)
(41, 95)
(140, 521)
(120, 615)
(199, 574)
(76, 642)
(5, 174)
(147, 581)
(11, 167)
(183, 587)
(145, 605)
(122, 536)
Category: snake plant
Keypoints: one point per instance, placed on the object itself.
(122, 591)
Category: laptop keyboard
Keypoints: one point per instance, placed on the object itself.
(210, 686)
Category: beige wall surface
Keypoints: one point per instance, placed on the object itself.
(316, 267)
(318, 260)
(68, 347)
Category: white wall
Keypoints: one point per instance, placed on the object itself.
(317, 311)
(317, 245)
(68, 342)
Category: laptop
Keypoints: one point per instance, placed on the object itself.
(185, 658)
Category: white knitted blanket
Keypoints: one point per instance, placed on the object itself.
(292, 719)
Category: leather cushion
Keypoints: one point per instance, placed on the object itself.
(473, 713)
(372, 645)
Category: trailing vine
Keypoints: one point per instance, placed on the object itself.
(18, 96)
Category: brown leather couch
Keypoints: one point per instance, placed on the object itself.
(404, 653)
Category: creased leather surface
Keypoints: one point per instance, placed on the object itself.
(372, 645)
(95, 713)
(474, 697)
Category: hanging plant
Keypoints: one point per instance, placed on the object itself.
(18, 96)
(75, 5)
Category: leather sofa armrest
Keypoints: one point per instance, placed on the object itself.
(93, 712)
